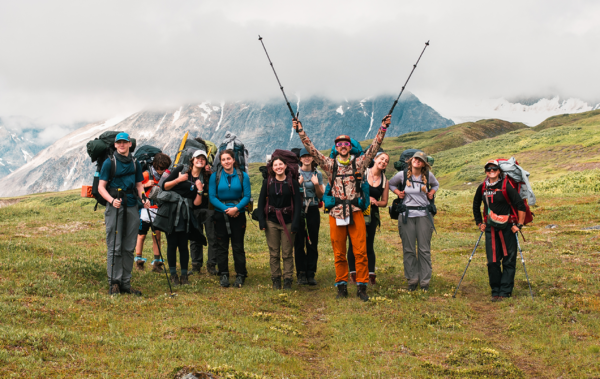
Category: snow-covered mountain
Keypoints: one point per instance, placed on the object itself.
(528, 111)
(262, 126)
(17, 147)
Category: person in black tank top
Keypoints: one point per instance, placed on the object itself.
(379, 198)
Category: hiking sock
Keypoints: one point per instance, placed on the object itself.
(173, 270)
(184, 272)
(139, 258)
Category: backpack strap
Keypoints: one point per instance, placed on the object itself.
(505, 194)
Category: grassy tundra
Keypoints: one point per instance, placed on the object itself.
(57, 319)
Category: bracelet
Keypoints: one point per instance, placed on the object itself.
(299, 130)
(200, 192)
(520, 226)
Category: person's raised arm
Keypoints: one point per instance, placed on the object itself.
(325, 163)
(363, 162)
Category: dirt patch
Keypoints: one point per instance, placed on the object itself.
(65, 228)
(6, 203)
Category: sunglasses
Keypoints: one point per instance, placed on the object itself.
(488, 169)
(344, 143)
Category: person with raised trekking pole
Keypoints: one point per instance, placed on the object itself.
(229, 192)
(378, 192)
(498, 195)
(306, 244)
(160, 164)
(416, 186)
(346, 216)
(120, 185)
(278, 211)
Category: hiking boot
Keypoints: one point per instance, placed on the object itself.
(139, 265)
(287, 284)
(114, 289)
(302, 280)
(183, 280)
(310, 278)
(131, 291)
(412, 287)
(224, 280)
(496, 299)
(342, 291)
(352, 277)
(361, 292)
(212, 269)
(239, 281)
(425, 288)
(372, 277)
(276, 283)
(196, 268)
(175, 280)
(157, 267)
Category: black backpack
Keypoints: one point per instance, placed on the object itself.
(100, 149)
(145, 155)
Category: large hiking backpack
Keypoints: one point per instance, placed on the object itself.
(398, 206)
(100, 149)
(231, 142)
(518, 178)
(401, 164)
(191, 146)
(145, 155)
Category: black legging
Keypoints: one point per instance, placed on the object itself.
(306, 260)
(371, 230)
(178, 240)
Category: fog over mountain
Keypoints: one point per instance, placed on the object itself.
(263, 127)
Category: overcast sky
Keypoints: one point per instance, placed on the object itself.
(66, 61)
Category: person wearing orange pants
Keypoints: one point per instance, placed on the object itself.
(345, 173)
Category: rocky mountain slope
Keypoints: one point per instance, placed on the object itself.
(16, 148)
(262, 126)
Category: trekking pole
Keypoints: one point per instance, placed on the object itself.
(295, 117)
(523, 261)
(159, 251)
(468, 263)
(404, 86)
(112, 264)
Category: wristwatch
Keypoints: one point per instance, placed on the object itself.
(520, 226)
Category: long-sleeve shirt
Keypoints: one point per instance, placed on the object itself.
(231, 192)
(345, 175)
(413, 194)
(280, 196)
(498, 203)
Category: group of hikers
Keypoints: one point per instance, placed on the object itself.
(204, 202)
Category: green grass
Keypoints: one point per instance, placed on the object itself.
(59, 321)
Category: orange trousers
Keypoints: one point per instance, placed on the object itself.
(358, 237)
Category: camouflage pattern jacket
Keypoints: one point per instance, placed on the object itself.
(345, 176)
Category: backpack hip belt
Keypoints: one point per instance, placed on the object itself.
(279, 212)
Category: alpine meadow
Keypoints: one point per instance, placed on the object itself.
(59, 321)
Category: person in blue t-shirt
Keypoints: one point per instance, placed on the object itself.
(121, 212)
(229, 199)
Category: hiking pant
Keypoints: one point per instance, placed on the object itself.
(501, 268)
(238, 230)
(306, 260)
(277, 240)
(358, 237)
(120, 250)
(417, 267)
(178, 240)
(204, 217)
(371, 230)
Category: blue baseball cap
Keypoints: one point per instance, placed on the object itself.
(122, 137)
(304, 152)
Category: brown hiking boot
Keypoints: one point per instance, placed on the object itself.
(183, 280)
(157, 267)
(212, 269)
(139, 265)
(114, 289)
(175, 280)
(196, 268)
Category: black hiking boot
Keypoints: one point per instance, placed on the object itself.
(412, 287)
(310, 278)
(196, 268)
(287, 284)
(361, 292)
(175, 280)
(239, 281)
(114, 289)
(212, 269)
(342, 291)
(302, 280)
(131, 291)
(184, 280)
(276, 283)
(425, 288)
(225, 280)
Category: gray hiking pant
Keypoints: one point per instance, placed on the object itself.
(120, 250)
(204, 217)
(280, 248)
(417, 231)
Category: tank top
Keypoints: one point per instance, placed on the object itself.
(376, 192)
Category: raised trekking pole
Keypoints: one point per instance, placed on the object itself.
(468, 263)
(112, 264)
(404, 86)
(295, 117)
(523, 261)
(158, 246)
